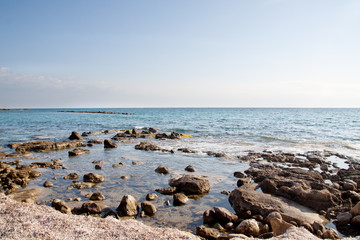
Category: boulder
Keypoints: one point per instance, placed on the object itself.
(109, 144)
(61, 206)
(128, 206)
(223, 215)
(97, 196)
(208, 233)
(246, 198)
(249, 227)
(242, 181)
(148, 208)
(75, 136)
(91, 208)
(191, 184)
(180, 199)
(46, 146)
(162, 169)
(355, 211)
(190, 168)
(93, 178)
(151, 196)
(78, 151)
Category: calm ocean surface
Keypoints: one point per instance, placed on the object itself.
(222, 129)
(230, 131)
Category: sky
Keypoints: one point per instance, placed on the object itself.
(188, 53)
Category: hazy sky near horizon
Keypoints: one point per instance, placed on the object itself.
(201, 53)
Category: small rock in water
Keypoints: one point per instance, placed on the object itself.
(148, 208)
(162, 169)
(61, 206)
(75, 136)
(98, 162)
(225, 192)
(137, 162)
(190, 168)
(180, 199)
(97, 196)
(109, 144)
(151, 196)
(93, 178)
(124, 177)
(128, 206)
(91, 208)
(78, 151)
(98, 167)
(77, 199)
(48, 184)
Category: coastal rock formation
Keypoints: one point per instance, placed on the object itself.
(147, 146)
(128, 206)
(78, 152)
(191, 184)
(245, 198)
(305, 187)
(75, 136)
(45, 146)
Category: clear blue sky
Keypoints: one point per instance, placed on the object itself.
(198, 53)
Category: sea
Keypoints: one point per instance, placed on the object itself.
(232, 131)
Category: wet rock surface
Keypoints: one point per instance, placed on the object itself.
(191, 185)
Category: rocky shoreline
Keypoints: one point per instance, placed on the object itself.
(14, 109)
(263, 200)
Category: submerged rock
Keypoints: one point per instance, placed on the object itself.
(166, 191)
(48, 184)
(151, 196)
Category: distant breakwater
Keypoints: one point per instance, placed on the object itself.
(14, 109)
(100, 112)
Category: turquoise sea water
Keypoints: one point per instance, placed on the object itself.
(230, 131)
(224, 129)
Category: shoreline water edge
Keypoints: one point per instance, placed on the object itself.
(169, 179)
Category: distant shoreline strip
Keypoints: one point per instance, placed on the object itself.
(100, 112)
(14, 109)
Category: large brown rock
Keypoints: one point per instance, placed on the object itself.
(245, 198)
(180, 199)
(147, 146)
(162, 169)
(223, 215)
(93, 178)
(304, 187)
(191, 184)
(128, 206)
